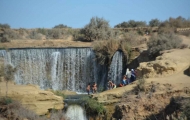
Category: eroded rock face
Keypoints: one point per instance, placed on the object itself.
(32, 97)
(157, 68)
(170, 62)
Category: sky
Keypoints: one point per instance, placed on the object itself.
(77, 13)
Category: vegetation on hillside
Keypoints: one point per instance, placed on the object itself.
(92, 107)
(162, 42)
(131, 24)
(97, 29)
(8, 75)
(61, 26)
(106, 49)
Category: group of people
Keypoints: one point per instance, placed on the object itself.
(92, 88)
(129, 77)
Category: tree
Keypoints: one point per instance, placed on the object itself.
(154, 23)
(9, 75)
(97, 29)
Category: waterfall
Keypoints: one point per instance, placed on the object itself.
(62, 68)
(75, 112)
(116, 67)
(57, 69)
(2, 53)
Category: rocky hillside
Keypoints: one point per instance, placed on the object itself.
(165, 94)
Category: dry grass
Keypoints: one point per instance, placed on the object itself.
(44, 43)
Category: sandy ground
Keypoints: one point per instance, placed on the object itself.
(45, 43)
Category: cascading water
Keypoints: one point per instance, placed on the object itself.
(58, 69)
(2, 53)
(75, 112)
(116, 67)
(62, 68)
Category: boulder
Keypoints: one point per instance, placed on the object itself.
(32, 97)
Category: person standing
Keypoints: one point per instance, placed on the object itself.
(94, 87)
(133, 75)
(110, 85)
(128, 74)
(124, 82)
(88, 88)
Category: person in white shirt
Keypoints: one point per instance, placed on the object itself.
(128, 74)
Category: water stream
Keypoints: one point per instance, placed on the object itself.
(75, 112)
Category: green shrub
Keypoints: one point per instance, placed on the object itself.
(59, 93)
(93, 107)
(162, 42)
(5, 101)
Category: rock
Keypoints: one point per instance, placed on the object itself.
(32, 97)
(165, 65)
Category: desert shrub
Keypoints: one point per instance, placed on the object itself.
(170, 25)
(140, 85)
(154, 23)
(9, 72)
(93, 107)
(4, 38)
(35, 35)
(131, 23)
(6, 26)
(105, 49)
(162, 42)
(43, 31)
(76, 33)
(133, 38)
(12, 34)
(8, 34)
(61, 26)
(185, 33)
(57, 33)
(97, 29)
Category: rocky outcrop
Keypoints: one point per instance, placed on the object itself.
(172, 61)
(32, 97)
